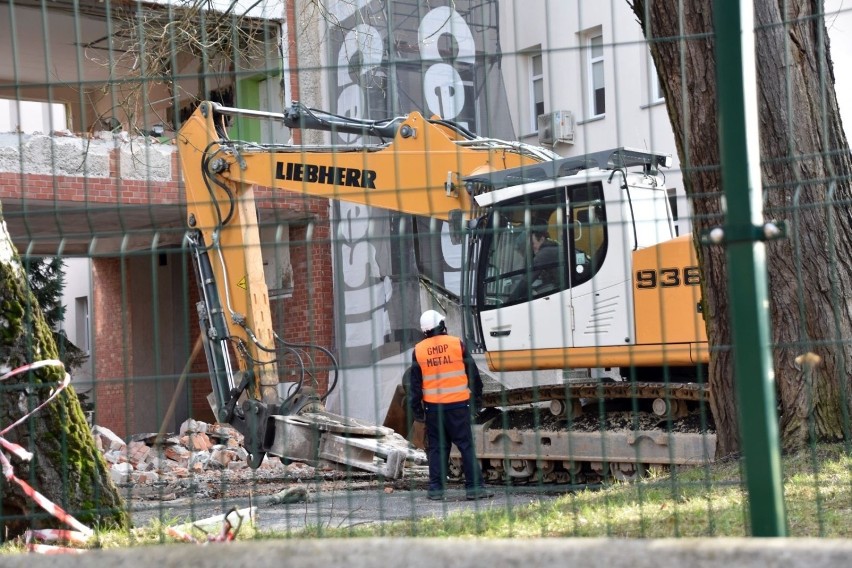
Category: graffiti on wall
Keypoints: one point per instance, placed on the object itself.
(440, 58)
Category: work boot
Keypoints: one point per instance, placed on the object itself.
(435, 495)
(479, 493)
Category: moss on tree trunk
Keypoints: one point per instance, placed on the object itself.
(67, 467)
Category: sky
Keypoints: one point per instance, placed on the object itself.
(840, 35)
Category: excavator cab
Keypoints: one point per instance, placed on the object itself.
(565, 308)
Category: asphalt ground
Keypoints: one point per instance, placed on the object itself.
(342, 504)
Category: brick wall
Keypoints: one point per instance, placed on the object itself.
(306, 317)
(114, 189)
(111, 351)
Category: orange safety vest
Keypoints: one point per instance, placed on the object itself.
(442, 365)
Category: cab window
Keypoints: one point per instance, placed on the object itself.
(525, 251)
(537, 246)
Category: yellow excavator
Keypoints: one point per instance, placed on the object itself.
(622, 292)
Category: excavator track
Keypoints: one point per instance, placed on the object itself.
(690, 392)
(591, 432)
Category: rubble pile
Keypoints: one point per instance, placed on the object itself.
(196, 449)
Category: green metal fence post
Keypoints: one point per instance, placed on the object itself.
(747, 279)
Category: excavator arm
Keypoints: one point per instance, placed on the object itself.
(415, 167)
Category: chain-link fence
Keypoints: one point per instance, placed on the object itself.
(629, 222)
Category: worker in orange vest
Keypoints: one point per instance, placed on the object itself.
(444, 379)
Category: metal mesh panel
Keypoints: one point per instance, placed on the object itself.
(224, 222)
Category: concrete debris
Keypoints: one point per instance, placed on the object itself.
(198, 455)
(192, 427)
(206, 461)
(106, 439)
(290, 495)
(178, 454)
(121, 472)
(198, 447)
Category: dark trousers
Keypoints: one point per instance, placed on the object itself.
(445, 427)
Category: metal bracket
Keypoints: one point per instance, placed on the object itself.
(769, 231)
(450, 187)
(240, 159)
(254, 424)
(229, 408)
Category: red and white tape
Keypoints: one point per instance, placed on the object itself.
(82, 533)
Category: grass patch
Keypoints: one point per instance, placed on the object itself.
(694, 502)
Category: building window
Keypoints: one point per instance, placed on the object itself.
(277, 268)
(596, 84)
(655, 90)
(82, 327)
(536, 248)
(270, 99)
(536, 89)
(32, 116)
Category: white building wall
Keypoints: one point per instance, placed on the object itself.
(559, 30)
(557, 27)
(77, 299)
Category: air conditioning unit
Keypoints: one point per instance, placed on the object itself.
(556, 127)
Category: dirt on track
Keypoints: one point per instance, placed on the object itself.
(541, 419)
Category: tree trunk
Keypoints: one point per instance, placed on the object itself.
(806, 181)
(67, 468)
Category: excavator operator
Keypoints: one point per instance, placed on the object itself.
(443, 378)
(544, 269)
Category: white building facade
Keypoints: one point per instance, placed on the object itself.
(585, 64)
(584, 68)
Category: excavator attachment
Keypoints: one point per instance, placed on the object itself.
(398, 419)
(322, 438)
(309, 434)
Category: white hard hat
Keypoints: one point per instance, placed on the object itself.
(430, 320)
